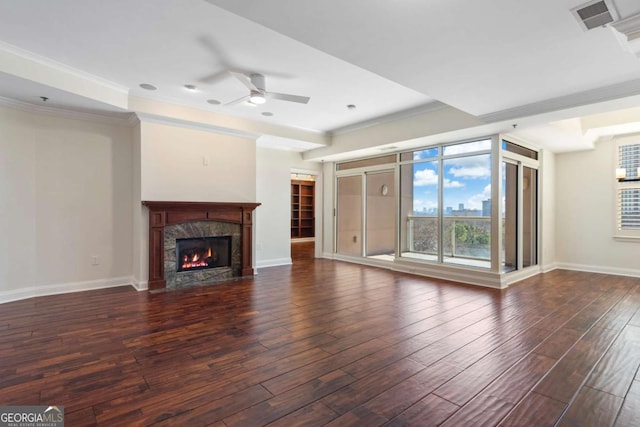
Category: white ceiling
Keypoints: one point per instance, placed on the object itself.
(484, 58)
(481, 57)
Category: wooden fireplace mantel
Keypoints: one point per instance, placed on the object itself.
(164, 213)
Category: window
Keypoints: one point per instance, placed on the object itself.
(449, 204)
(445, 204)
(628, 188)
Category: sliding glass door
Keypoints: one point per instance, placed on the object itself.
(366, 204)
(519, 207)
(380, 218)
(349, 215)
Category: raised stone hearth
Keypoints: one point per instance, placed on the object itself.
(169, 221)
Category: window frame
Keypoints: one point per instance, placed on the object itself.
(619, 233)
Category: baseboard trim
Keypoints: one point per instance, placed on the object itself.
(519, 275)
(64, 288)
(549, 267)
(464, 275)
(454, 274)
(140, 286)
(616, 271)
(327, 255)
(273, 262)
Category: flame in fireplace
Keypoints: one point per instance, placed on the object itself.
(195, 261)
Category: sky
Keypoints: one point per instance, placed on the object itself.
(466, 180)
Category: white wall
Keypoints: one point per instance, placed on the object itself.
(140, 215)
(273, 217)
(65, 196)
(173, 165)
(585, 214)
(548, 210)
(328, 209)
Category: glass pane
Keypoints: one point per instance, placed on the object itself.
(419, 210)
(466, 236)
(427, 153)
(629, 208)
(349, 215)
(629, 159)
(467, 147)
(529, 217)
(514, 148)
(509, 217)
(381, 215)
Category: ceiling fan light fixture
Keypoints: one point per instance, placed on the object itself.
(257, 98)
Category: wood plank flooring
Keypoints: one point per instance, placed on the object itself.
(330, 343)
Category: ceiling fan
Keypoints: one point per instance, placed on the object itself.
(258, 94)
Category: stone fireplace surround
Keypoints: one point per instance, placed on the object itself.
(165, 217)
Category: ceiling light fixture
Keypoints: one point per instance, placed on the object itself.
(351, 107)
(147, 86)
(213, 101)
(192, 88)
(257, 98)
(267, 113)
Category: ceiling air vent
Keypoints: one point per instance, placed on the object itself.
(595, 14)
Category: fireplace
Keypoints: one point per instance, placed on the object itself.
(191, 229)
(199, 253)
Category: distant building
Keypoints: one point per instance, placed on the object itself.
(486, 207)
(466, 212)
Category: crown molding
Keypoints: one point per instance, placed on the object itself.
(603, 94)
(628, 33)
(125, 120)
(48, 62)
(399, 115)
(163, 120)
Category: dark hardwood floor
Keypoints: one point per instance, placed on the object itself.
(331, 343)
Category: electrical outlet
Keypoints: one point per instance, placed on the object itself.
(95, 260)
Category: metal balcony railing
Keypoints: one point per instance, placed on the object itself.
(463, 236)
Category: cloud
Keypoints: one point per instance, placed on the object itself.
(425, 154)
(427, 177)
(469, 167)
(471, 172)
(468, 147)
(452, 184)
(475, 201)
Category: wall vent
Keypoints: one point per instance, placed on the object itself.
(594, 14)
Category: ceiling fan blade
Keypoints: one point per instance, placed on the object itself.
(238, 101)
(214, 77)
(287, 97)
(245, 80)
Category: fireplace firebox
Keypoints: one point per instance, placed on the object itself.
(203, 252)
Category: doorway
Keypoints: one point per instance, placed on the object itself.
(303, 221)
